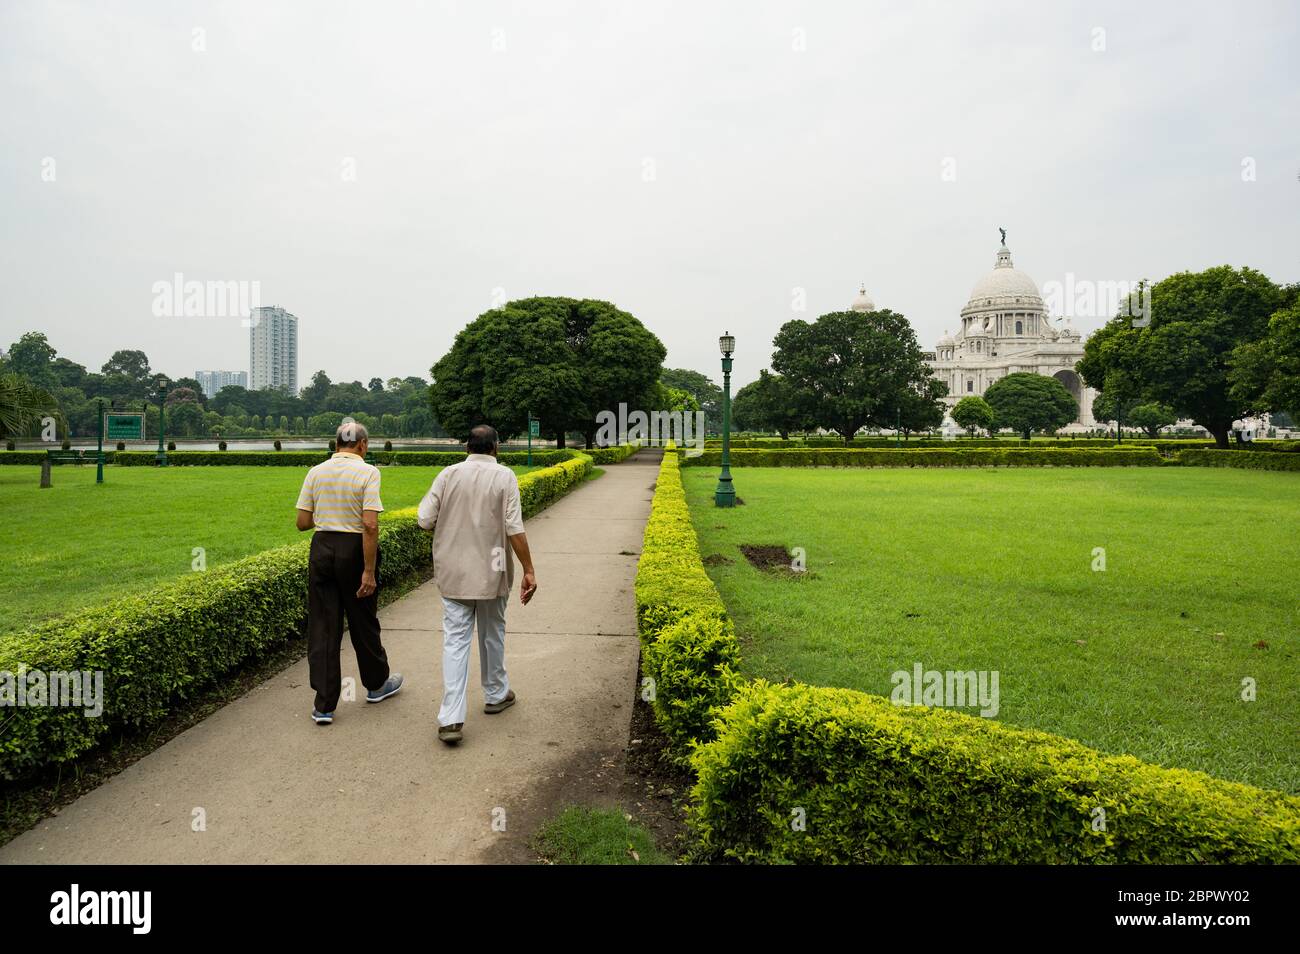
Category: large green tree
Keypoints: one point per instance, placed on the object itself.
(854, 366)
(921, 409)
(1265, 374)
(770, 404)
(33, 358)
(1182, 357)
(562, 359)
(1027, 402)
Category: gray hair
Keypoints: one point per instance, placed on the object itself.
(350, 434)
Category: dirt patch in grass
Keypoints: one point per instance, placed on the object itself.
(766, 557)
(717, 559)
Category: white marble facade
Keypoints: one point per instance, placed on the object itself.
(1005, 328)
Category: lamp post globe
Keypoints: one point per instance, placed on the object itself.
(725, 494)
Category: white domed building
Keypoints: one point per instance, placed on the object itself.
(1005, 328)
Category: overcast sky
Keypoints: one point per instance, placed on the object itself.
(385, 169)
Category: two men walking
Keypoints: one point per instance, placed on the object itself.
(475, 509)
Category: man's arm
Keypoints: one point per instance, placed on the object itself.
(307, 503)
(514, 519)
(370, 550)
(528, 586)
(430, 503)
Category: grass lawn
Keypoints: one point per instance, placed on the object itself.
(596, 836)
(991, 569)
(78, 544)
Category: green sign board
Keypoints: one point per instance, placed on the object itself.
(534, 428)
(124, 425)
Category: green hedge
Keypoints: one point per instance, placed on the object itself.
(1245, 460)
(543, 458)
(164, 644)
(34, 457)
(898, 784)
(688, 645)
(934, 457)
(611, 455)
(914, 442)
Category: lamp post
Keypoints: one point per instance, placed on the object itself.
(99, 455)
(161, 457)
(725, 495)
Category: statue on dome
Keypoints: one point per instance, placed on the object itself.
(1004, 236)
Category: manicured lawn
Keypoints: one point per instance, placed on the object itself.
(78, 544)
(991, 569)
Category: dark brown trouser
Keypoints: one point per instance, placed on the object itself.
(333, 577)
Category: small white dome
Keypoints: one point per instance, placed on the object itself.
(946, 341)
(863, 302)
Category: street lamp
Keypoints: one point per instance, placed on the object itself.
(161, 457)
(725, 495)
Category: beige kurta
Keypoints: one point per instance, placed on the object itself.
(473, 507)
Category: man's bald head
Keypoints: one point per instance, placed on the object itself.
(482, 439)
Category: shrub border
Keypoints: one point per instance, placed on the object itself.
(856, 762)
(1128, 456)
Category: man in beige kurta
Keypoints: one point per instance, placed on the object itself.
(474, 510)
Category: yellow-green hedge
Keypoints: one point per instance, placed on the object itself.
(688, 645)
(876, 782)
(611, 455)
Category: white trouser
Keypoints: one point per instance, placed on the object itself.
(458, 618)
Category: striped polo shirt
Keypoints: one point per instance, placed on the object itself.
(337, 490)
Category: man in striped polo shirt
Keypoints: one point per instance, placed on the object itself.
(340, 499)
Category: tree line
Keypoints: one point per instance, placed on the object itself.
(37, 382)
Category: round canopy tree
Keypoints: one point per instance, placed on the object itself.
(562, 359)
(855, 368)
(1152, 417)
(1028, 402)
(972, 413)
(770, 404)
(1183, 356)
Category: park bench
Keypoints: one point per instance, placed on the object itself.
(74, 456)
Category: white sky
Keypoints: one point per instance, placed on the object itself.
(523, 169)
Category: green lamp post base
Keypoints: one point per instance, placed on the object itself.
(725, 494)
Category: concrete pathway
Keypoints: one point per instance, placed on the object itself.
(377, 786)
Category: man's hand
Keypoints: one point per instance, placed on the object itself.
(367, 584)
(528, 587)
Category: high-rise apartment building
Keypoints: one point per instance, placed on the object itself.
(214, 381)
(273, 350)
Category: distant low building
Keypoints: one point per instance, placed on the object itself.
(214, 381)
